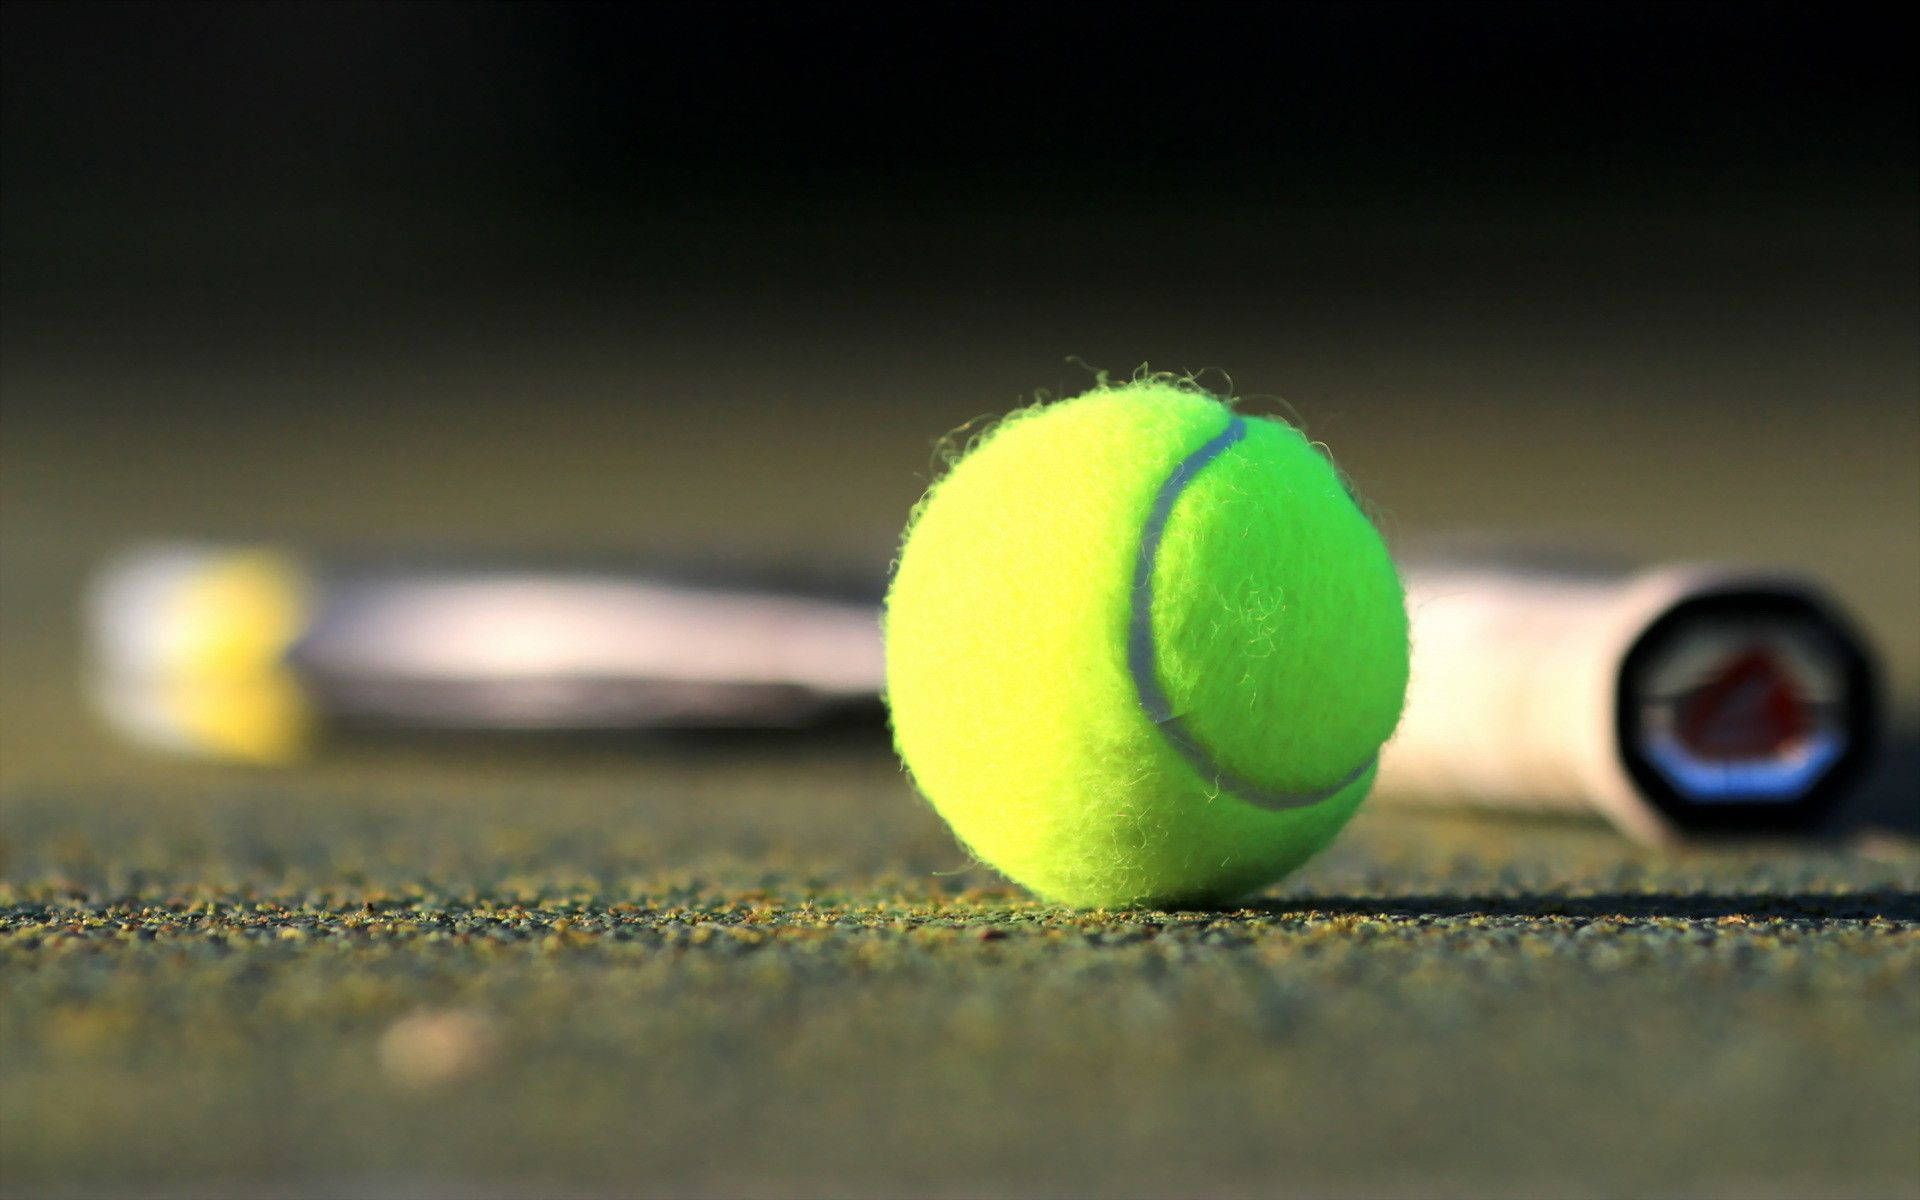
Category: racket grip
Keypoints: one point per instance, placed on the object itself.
(1532, 689)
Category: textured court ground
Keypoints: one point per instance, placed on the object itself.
(762, 969)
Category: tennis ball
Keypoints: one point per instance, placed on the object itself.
(1142, 649)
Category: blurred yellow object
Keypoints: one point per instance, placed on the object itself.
(197, 652)
(265, 719)
(238, 615)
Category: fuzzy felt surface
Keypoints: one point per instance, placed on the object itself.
(1278, 631)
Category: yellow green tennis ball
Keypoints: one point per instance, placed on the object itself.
(1143, 649)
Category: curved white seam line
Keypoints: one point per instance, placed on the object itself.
(1142, 661)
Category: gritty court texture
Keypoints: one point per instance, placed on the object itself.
(388, 977)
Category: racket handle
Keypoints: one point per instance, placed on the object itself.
(1681, 700)
(1676, 701)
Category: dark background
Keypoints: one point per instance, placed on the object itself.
(179, 176)
(560, 107)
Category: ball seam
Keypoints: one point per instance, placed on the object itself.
(1143, 657)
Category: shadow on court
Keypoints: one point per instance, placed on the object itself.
(1799, 906)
